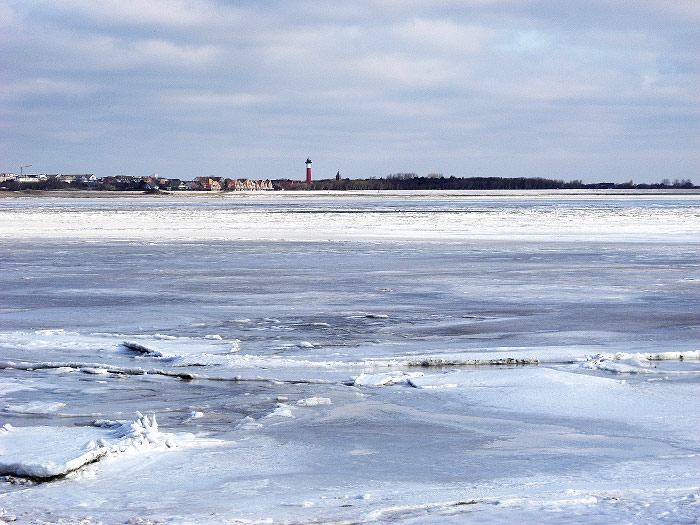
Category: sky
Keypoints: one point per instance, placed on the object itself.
(592, 90)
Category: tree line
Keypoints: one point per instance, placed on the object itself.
(397, 181)
(407, 181)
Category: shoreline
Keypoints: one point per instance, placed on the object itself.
(91, 194)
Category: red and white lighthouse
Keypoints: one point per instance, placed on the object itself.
(308, 170)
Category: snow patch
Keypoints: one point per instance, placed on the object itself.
(57, 331)
(434, 381)
(94, 371)
(164, 337)
(35, 407)
(313, 401)
(281, 410)
(62, 370)
(248, 423)
(385, 379)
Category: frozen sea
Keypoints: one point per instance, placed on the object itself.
(421, 357)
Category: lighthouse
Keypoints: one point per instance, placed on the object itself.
(308, 170)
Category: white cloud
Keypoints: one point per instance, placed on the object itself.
(441, 36)
(418, 52)
(218, 99)
(531, 41)
(149, 51)
(140, 12)
(45, 86)
(684, 9)
(103, 53)
(397, 71)
(78, 136)
(540, 88)
(419, 110)
(7, 17)
(411, 6)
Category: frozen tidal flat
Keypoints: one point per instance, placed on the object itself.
(411, 357)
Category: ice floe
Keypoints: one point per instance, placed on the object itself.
(47, 452)
(249, 423)
(138, 347)
(384, 379)
(94, 371)
(313, 402)
(43, 452)
(282, 410)
(8, 385)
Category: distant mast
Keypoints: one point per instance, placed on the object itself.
(308, 170)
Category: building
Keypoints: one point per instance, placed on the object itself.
(171, 184)
(30, 178)
(211, 183)
(248, 185)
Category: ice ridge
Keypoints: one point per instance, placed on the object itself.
(45, 453)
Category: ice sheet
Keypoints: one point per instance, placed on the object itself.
(418, 358)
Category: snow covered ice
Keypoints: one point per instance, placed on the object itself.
(412, 357)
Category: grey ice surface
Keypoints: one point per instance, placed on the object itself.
(241, 330)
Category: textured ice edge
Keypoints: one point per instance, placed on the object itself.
(44, 453)
(638, 363)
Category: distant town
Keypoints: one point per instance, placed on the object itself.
(153, 183)
(397, 181)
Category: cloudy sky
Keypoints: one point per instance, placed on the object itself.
(597, 90)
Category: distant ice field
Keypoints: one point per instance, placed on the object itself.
(358, 216)
(411, 357)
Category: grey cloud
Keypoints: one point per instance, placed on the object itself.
(589, 90)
